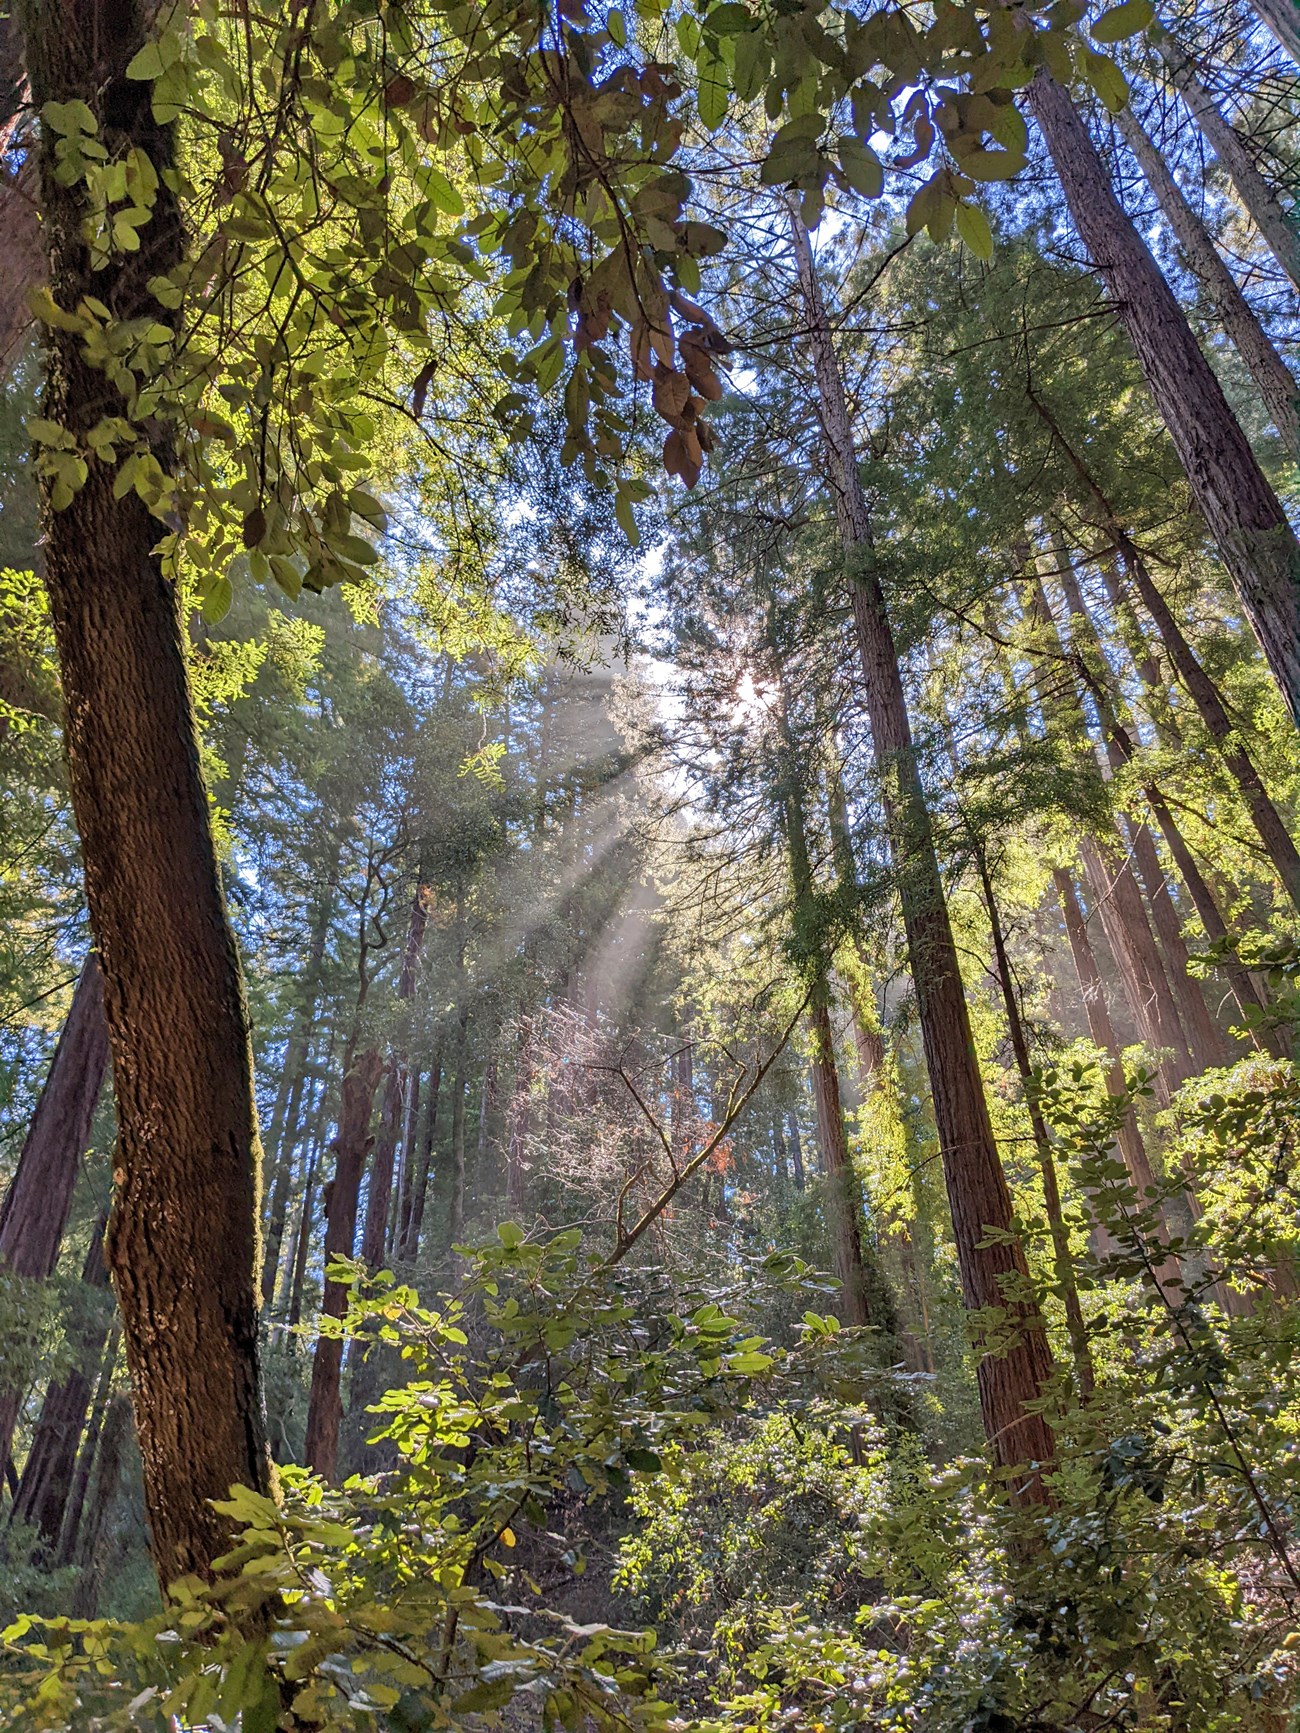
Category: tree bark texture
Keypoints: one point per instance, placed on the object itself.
(1283, 19)
(1257, 197)
(993, 1273)
(1244, 515)
(1273, 378)
(182, 1244)
(361, 1075)
(34, 1213)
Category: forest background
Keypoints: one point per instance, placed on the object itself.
(649, 665)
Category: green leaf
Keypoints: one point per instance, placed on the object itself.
(616, 24)
(863, 169)
(973, 227)
(1107, 80)
(711, 97)
(1121, 22)
(753, 64)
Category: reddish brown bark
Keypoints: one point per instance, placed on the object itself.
(34, 1213)
(1272, 377)
(993, 1270)
(1244, 515)
(1258, 199)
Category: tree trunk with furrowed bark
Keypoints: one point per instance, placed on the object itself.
(1244, 514)
(993, 1269)
(188, 1155)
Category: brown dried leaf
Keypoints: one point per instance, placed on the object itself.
(678, 460)
(671, 395)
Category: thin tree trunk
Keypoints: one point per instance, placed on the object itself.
(189, 1156)
(302, 1240)
(92, 1537)
(1102, 1033)
(1273, 378)
(379, 1195)
(361, 1074)
(1245, 518)
(284, 1128)
(864, 1295)
(34, 1213)
(406, 1160)
(1062, 1260)
(420, 1187)
(520, 1127)
(796, 1153)
(46, 1481)
(1257, 197)
(1116, 894)
(1273, 833)
(74, 1509)
(992, 1266)
(456, 1222)
(1207, 1044)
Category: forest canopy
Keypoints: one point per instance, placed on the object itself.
(650, 964)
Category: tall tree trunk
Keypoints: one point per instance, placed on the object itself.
(1245, 518)
(46, 1481)
(361, 1074)
(1207, 1044)
(1209, 703)
(864, 1293)
(993, 1269)
(520, 1126)
(297, 1270)
(420, 1184)
(456, 1222)
(75, 1506)
(1115, 891)
(1273, 378)
(92, 1537)
(379, 1195)
(284, 1128)
(1102, 1034)
(1257, 197)
(406, 1160)
(796, 1153)
(34, 1213)
(189, 1156)
(1283, 19)
(1062, 1261)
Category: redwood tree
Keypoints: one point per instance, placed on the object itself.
(182, 1243)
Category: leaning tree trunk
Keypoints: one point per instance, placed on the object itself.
(36, 1204)
(1257, 197)
(1207, 1044)
(188, 1156)
(1244, 515)
(990, 1257)
(1283, 19)
(1273, 378)
(361, 1074)
(1205, 695)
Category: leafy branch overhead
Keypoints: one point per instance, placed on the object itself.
(381, 192)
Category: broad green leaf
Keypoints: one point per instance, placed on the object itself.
(863, 169)
(973, 227)
(1121, 22)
